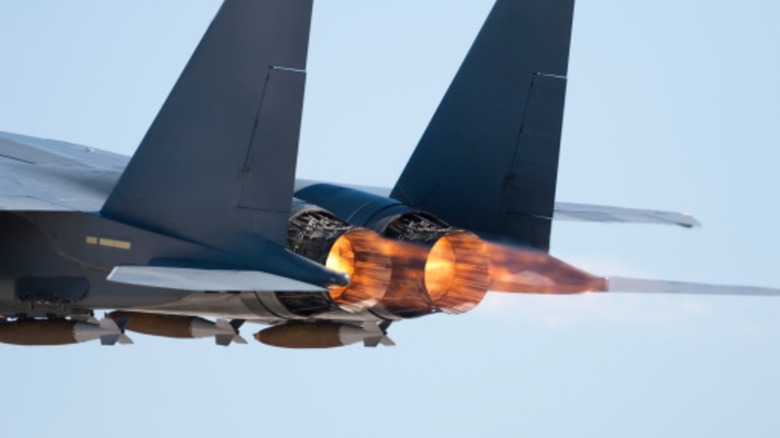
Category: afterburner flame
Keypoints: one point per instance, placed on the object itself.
(456, 272)
(440, 269)
(406, 295)
(451, 276)
(364, 256)
(342, 259)
(527, 270)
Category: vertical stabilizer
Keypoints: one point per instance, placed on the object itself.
(217, 165)
(488, 161)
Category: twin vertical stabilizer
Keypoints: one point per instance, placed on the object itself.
(217, 166)
(488, 161)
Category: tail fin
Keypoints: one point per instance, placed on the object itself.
(489, 158)
(218, 164)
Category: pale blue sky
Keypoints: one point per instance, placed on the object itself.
(672, 105)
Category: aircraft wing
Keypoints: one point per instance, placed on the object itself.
(33, 150)
(602, 213)
(46, 175)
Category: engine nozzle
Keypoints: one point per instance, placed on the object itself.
(357, 252)
(362, 255)
(457, 272)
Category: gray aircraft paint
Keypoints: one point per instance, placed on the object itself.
(210, 189)
(488, 161)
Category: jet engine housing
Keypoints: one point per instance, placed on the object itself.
(436, 267)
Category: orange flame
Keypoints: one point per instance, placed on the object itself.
(406, 295)
(531, 271)
(456, 272)
(342, 259)
(452, 276)
(363, 255)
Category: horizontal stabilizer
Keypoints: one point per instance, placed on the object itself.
(637, 285)
(602, 213)
(200, 280)
(570, 211)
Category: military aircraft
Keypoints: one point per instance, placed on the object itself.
(206, 227)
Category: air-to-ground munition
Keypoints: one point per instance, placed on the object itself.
(61, 332)
(179, 327)
(323, 334)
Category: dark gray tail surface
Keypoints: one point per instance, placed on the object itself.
(218, 164)
(488, 161)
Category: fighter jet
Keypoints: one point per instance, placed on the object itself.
(206, 227)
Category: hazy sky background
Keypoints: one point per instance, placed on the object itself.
(671, 105)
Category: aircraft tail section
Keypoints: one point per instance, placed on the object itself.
(219, 160)
(488, 160)
(217, 166)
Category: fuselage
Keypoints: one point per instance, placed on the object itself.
(56, 262)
